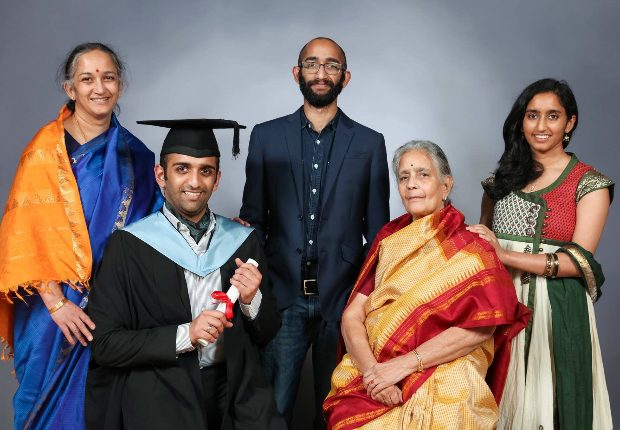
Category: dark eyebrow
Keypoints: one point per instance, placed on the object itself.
(549, 111)
(327, 60)
(189, 166)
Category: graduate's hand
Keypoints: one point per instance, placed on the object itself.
(208, 326)
(240, 221)
(74, 323)
(247, 279)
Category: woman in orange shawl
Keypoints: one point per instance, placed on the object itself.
(81, 177)
(427, 323)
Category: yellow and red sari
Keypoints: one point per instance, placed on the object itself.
(422, 278)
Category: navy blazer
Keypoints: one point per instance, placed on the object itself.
(354, 206)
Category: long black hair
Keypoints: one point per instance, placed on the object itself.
(517, 167)
(66, 70)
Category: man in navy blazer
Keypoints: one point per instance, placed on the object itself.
(316, 187)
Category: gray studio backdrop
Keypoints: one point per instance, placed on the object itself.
(447, 71)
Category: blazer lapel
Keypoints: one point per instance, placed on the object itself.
(342, 141)
(292, 135)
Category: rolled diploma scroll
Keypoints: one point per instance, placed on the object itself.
(233, 295)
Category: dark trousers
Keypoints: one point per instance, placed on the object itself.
(283, 357)
(214, 385)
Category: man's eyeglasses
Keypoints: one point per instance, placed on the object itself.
(330, 68)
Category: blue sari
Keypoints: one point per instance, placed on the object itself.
(114, 172)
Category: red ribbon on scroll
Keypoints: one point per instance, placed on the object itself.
(220, 296)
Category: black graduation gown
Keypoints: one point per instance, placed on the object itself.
(135, 379)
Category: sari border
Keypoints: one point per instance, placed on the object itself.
(588, 274)
(66, 188)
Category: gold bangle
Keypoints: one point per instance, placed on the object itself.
(58, 305)
(548, 266)
(420, 365)
(556, 265)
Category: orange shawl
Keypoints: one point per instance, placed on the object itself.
(43, 235)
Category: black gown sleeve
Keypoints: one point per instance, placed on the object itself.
(117, 343)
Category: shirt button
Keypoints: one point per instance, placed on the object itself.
(316, 166)
(318, 142)
(312, 216)
(314, 191)
(310, 241)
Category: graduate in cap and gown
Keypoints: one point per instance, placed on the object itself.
(163, 356)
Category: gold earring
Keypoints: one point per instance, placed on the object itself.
(566, 137)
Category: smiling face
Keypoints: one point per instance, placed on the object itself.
(545, 123)
(95, 85)
(420, 186)
(188, 183)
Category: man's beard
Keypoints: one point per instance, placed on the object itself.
(320, 100)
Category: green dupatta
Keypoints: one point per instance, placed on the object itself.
(572, 346)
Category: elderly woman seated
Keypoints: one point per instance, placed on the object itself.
(428, 323)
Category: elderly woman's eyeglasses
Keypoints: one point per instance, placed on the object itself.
(330, 68)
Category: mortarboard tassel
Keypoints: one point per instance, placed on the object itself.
(236, 149)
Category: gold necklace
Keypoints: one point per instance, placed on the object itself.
(79, 127)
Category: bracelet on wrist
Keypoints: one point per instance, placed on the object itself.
(58, 305)
(556, 265)
(548, 266)
(420, 364)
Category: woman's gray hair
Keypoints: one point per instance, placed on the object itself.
(432, 149)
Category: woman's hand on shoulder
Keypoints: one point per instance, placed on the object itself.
(74, 323)
(487, 234)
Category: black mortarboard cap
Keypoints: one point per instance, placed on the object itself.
(195, 137)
